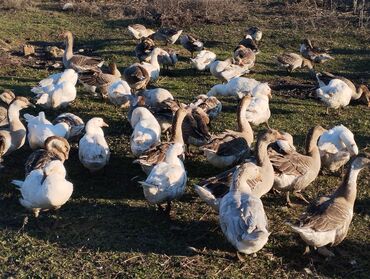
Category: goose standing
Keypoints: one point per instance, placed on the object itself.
(203, 60)
(45, 188)
(147, 132)
(93, 150)
(56, 148)
(336, 146)
(153, 68)
(157, 154)
(6, 98)
(140, 31)
(326, 222)
(79, 63)
(254, 32)
(167, 180)
(14, 136)
(230, 147)
(167, 58)
(191, 44)
(242, 216)
(210, 105)
(295, 171)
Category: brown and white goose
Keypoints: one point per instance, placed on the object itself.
(230, 147)
(14, 137)
(168, 35)
(315, 54)
(327, 220)
(79, 63)
(140, 31)
(250, 43)
(291, 61)
(136, 76)
(96, 79)
(157, 154)
(191, 44)
(6, 98)
(244, 56)
(56, 148)
(254, 32)
(295, 171)
(213, 189)
(144, 48)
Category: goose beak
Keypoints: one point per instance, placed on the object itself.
(105, 125)
(31, 105)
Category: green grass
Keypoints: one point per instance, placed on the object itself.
(108, 229)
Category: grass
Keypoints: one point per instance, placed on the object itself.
(107, 229)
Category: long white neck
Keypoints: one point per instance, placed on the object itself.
(348, 188)
(93, 130)
(171, 157)
(68, 53)
(13, 117)
(154, 59)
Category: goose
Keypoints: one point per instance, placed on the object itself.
(337, 94)
(119, 93)
(203, 60)
(167, 180)
(365, 98)
(250, 43)
(195, 127)
(295, 171)
(59, 97)
(213, 189)
(255, 33)
(238, 87)
(230, 147)
(291, 61)
(168, 35)
(167, 58)
(155, 98)
(49, 84)
(93, 150)
(327, 220)
(314, 54)
(226, 70)
(153, 68)
(139, 31)
(79, 63)
(210, 105)
(258, 110)
(191, 44)
(39, 129)
(282, 146)
(76, 125)
(147, 132)
(144, 48)
(136, 76)
(6, 98)
(336, 147)
(244, 57)
(56, 148)
(14, 136)
(96, 79)
(156, 155)
(242, 217)
(45, 188)
(325, 77)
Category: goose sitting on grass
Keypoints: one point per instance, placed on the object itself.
(76, 125)
(136, 76)
(242, 216)
(167, 35)
(210, 105)
(254, 32)
(291, 61)
(6, 98)
(249, 43)
(139, 31)
(14, 136)
(327, 220)
(56, 148)
(337, 146)
(244, 57)
(45, 188)
(203, 60)
(258, 110)
(230, 147)
(227, 69)
(79, 63)
(314, 54)
(119, 93)
(144, 48)
(167, 180)
(93, 150)
(147, 132)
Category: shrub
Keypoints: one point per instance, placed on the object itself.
(15, 4)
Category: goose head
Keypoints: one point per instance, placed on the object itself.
(54, 167)
(67, 36)
(307, 63)
(270, 136)
(58, 146)
(7, 96)
(95, 123)
(113, 69)
(22, 102)
(360, 161)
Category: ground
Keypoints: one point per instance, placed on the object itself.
(107, 229)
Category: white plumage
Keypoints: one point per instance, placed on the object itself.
(147, 131)
(203, 60)
(258, 110)
(336, 94)
(154, 97)
(93, 150)
(153, 68)
(226, 70)
(45, 188)
(119, 93)
(167, 180)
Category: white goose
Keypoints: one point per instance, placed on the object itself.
(258, 110)
(155, 98)
(93, 150)
(119, 93)
(242, 216)
(336, 146)
(167, 180)
(147, 131)
(76, 125)
(226, 70)
(203, 60)
(39, 129)
(45, 189)
(335, 95)
(48, 84)
(153, 68)
(238, 87)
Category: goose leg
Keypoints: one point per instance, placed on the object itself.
(268, 126)
(289, 203)
(325, 252)
(327, 110)
(240, 256)
(24, 224)
(168, 208)
(306, 250)
(300, 196)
